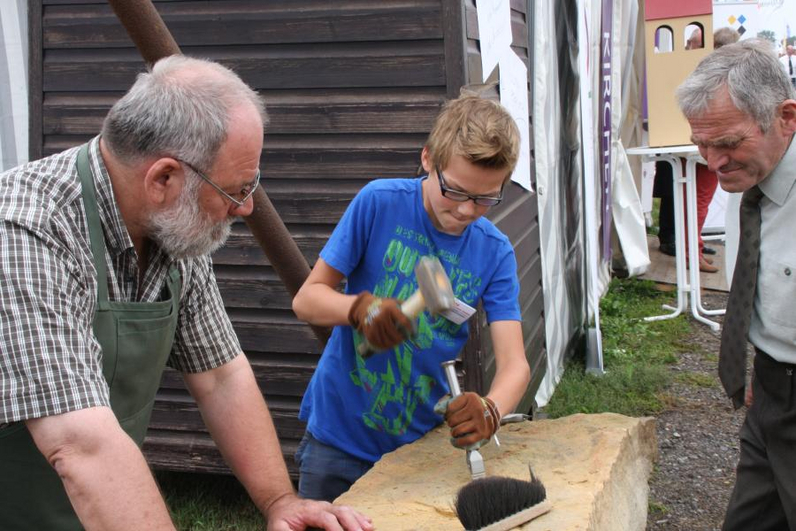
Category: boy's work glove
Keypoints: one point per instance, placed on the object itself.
(381, 321)
(473, 419)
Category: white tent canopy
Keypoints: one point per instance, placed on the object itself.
(13, 83)
(567, 310)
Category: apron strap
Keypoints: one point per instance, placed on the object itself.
(94, 225)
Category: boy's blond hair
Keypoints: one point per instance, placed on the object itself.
(480, 130)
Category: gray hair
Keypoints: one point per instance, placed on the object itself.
(752, 74)
(179, 109)
(724, 36)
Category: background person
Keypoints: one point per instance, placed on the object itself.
(724, 36)
(104, 279)
(788, 62)
(359, 409)
(739, 104)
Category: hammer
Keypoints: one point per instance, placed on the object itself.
(474, 460)
(434, 294)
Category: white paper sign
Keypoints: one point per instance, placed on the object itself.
(460, 312)
(494, 31)
(514, 97)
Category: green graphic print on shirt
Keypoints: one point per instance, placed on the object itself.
(394, 395)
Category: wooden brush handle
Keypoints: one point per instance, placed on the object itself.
(517, 519)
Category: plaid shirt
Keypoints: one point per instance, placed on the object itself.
(50, 361)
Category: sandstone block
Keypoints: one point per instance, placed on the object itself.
(595, 469)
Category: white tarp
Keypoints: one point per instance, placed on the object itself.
(628, 68)
(546, 102)
(13, 83)
(562, 311)
(597, 271)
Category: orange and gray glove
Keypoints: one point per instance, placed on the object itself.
(472, 419)
(381, 321)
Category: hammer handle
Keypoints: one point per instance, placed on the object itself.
(413, 305)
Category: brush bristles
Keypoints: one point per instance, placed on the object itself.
(485, 501)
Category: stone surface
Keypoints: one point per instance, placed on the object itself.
(594, 467)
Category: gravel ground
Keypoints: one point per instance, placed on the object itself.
(697, 439)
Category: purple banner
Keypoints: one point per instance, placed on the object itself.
(606, 53)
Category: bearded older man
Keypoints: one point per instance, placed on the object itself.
(104, 279)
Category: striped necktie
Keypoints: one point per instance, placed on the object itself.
(732, 354)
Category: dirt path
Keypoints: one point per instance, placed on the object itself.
(697, 439)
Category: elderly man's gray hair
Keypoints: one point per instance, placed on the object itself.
(752, 74)
(179, 109)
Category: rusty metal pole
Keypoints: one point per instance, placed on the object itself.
(154, 41)
(146, 29)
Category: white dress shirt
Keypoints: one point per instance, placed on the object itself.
(773, 325)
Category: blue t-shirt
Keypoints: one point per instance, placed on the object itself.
(368, 407)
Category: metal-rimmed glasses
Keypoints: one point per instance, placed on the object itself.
(461, 197)
(245, 192)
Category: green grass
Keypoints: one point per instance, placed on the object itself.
(657, 509)
(636, 354)
(205, 502)
(697, 379)
(656, 210)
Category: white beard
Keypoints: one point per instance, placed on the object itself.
(184, 231)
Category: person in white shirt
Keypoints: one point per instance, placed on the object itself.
(788, 62)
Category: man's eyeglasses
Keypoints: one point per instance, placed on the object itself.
(461, 197)
(239, 198)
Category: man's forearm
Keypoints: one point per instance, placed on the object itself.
(239, 422)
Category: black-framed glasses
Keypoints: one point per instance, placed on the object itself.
(461, 197)
(244, 194)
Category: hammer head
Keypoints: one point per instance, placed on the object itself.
(434, 284)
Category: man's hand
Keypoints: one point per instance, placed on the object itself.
(381, 321)
(471, 419)
(291, 513)
(748, 397)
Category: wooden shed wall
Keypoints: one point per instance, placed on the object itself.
(352, 89)
(518, 218)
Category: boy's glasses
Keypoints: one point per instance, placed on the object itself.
(239, 198)
(461, 197)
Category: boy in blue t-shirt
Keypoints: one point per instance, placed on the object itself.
(358, 409)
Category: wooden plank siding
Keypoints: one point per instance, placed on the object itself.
(352, 89)
(518, 218)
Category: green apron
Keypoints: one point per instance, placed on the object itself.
(136, 340)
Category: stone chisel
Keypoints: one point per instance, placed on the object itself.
(475, 462)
